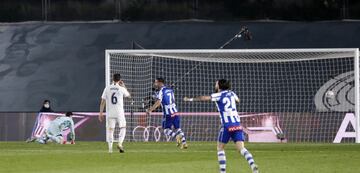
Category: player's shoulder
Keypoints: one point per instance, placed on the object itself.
(114, 87)
(233, 93)
(218, 94)
(164, 89)
(228, 93)
(107, 88)
(169, 89)
(61, 118)
(68, 119)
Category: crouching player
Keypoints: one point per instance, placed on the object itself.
(166, 99)
(225, 100)
(54, 132)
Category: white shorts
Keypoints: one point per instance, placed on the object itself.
(112, 121)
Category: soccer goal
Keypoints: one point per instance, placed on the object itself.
(287, 95)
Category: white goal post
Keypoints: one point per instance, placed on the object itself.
(295, 95)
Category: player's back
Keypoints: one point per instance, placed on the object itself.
(114, 95)
(62, 123)
(166, 95)
(226, 104)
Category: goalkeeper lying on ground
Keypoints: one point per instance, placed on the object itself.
(54, 132)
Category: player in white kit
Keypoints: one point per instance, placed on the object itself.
(113, 99)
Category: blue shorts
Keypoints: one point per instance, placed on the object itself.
(169, 121)
(225, 134)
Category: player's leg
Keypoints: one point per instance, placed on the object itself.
(56, 138)
(45, 137)
(111, 122)
(223, 139)
(180, 136)
(54, 135)
(238, 138)
(42, 139)
(122, 133)
(167, 123)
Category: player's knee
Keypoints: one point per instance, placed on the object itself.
(220, 147)
(59, 140)
(240, 145)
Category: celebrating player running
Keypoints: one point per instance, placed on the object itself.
(166, 99)
(225, 100)
(113, 98)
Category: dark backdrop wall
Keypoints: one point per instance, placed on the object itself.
(161, 10)
(64, 62)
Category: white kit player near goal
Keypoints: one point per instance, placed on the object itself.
(113, 99)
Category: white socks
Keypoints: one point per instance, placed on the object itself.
(110, 144)
(249, 158)
(122, 135)
(110, 140)
(222, 161)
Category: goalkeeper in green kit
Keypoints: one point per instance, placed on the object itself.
(54, 132)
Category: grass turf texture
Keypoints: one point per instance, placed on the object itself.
(92, 157)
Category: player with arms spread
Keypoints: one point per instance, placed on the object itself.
(166, 99)
(225, 100)
(54, 132)
(113, 99)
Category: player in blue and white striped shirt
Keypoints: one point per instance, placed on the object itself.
(165, 98)
(225, 100)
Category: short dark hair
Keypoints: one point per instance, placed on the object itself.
(46, 101)
(68, 114)
(224, 84)
(116, 77)
(160, 79)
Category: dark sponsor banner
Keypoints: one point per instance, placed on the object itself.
(20, 126)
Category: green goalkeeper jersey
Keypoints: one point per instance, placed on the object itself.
(60, 124)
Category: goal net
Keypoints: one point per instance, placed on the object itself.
(287, 95)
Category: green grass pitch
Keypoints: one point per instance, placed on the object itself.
(92, 157)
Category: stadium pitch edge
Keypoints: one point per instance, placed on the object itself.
(151, 157)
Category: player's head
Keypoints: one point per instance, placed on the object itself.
(222, 85)
(116, 77)
(159, 82)
(68, 114)
(46, 104)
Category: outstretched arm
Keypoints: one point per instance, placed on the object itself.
(153, 107)
(198, 98)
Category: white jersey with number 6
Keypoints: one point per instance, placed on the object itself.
(114, 95)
